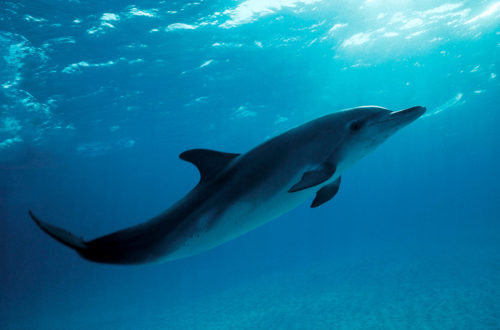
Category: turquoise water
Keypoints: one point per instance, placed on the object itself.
(97, 99)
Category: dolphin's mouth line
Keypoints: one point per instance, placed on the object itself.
(388, 120)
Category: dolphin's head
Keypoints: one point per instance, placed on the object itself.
(365, 128)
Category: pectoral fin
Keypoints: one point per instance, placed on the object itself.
(326, 193)
(313, 178)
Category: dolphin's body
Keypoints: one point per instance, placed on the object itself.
(239, 192)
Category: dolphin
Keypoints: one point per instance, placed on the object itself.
(240, 192)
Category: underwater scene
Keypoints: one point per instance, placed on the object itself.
(378, 222)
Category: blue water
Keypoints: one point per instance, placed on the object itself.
(98, 98)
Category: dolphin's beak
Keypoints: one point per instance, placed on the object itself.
(401, 118)
(406, 116)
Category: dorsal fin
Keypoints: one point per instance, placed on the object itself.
(208, 162)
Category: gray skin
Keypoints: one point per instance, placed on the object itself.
(239, 192)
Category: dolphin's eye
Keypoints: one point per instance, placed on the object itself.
(356, 125)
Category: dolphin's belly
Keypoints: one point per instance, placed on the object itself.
(212, 228)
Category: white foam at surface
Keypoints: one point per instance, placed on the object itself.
(30, 18)
(447, 7)
(106, 24)
(407, 23)
(435, 39)
(413, 23)
(180, 26)
(137, 60)
(416, 33)
(75, 67)
(391, 34)
(336, 27)
(110, 17)
(397, 18)
(146, 13)
(227, 44)
(250, 10)
(356, 40)
(488, 12)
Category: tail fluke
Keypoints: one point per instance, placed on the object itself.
(61, 235)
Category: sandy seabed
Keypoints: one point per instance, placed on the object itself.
(424, 293)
